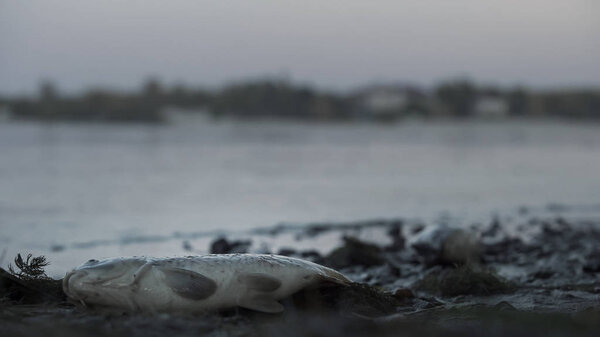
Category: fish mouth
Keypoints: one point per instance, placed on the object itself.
(78, 285)
(69, 278)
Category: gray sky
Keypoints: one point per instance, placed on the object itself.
(331, 44)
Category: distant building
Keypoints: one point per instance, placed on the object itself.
(491, 107)
(389, 101)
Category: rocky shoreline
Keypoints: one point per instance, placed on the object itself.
(538, 276)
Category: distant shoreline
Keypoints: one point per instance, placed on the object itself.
(282, 100)
(168, 119)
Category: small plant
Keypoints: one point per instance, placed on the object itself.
(30, 268)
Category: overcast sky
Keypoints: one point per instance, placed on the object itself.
(331, 44)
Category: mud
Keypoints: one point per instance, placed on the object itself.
(525, 276)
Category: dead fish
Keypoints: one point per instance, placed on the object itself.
(195, 283)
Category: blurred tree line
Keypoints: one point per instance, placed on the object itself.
(278, 98)
(458, 98)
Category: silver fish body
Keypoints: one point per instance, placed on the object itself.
(195, 283)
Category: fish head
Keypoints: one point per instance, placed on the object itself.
(96, 281)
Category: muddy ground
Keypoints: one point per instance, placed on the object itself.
(534, 276)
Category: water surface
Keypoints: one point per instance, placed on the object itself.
(71, 191)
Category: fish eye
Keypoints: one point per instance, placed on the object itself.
(99, 265)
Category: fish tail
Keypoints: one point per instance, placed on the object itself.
(335, 276)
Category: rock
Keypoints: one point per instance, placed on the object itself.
(428, 245)
(286, 251)
(312, 255)
(464, 280)
(354, 253)
(444, 245)
(316, 230)
(543, 274)
(379, 275)
(461, 247)
(497, 250)
(57, 248)
(504, 306)
(222, 246)
(361, 299)
(416, 229)
(494, 229)
(187, 246)
(404, 293)
(398, 240)
(592, 263)
(556, 228)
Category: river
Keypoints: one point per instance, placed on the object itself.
(77, 191)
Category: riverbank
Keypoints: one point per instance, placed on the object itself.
(537, 277)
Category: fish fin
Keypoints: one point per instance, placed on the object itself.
(260, 302)
(137, 276)
(260, 282)
(188, 284)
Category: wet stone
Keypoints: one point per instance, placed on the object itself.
(312, 255)
(494, 229)
(592, 263)
(464, 280)
(398, 240)
(354, 253)
(187, 246)
(223, 246)
(444, 245)
(404, 293)
(543, 274)
(57, 248)
(504, 306)
(287, 251)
